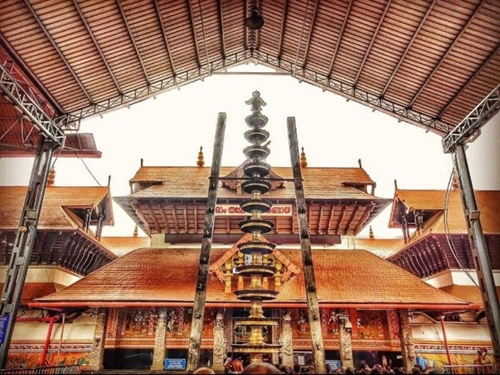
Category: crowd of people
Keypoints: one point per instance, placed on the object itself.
(234, 365)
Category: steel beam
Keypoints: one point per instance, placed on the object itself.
(318, 348)
(469, 127)
(206, 247)
(29, 107)
(23, 244)
(351, 92)
(479, 248)
(154, 88)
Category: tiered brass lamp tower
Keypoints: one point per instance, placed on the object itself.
(257, 265)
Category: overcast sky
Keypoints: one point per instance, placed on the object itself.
(169, 130)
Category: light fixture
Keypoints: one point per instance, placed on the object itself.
(255, 21)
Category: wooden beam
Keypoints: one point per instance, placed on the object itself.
(283, 20)
(334, 56)
(186, 226)
(341, 219)
(330, 220)
(165, 40)
(368, 210)
(165, 219)
(415, 34)
(221, 22)
(155, 221)
(317, 342)
(132, 39)
(176, 222)
(448, 51)
(141, 217)
(231, 238)
(98, 48)
(206, 246)
(308, 42)
(351, 219)
(374, 36)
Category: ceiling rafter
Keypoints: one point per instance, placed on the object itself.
(91, 34)
(374, 36)
(410, 44)
(191, 20)
(342, 29)
(450, 48)
(221, 22)
(31, 76)
(300, 38)
(245, 29)
(165, 39)
(59, 52)
(283, 20)
(308, 42)
(132, 39)
(203, 32)
(462, 89)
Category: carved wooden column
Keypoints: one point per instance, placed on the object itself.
(218, 349)
(345, 346)
(287, 340)
(406, 338)
(97, 353)
(159, 349)
(273, 337)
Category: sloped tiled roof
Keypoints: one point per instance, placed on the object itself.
(123, 245)
(167, 276)
(52, 215)
(488, 203)
(382, 247)
(467, 292)
(192, 182)
(422, 199)
(32, 291)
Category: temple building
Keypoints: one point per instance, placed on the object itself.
(128, 303)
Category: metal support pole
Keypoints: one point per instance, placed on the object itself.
(23, 245)
(305, 245)
(206, 246)
(479, 248)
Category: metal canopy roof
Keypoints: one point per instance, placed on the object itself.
(426, 62)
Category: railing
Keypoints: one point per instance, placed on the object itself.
(42, 370)
(471, 369)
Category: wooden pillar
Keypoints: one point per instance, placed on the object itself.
(97, 353)
(206, 247)
(159, 349)
(218, 349)
(287, 340)
(274, 337)
(346, 358)
(318, 348)
(406, 339)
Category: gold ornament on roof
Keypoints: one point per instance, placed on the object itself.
(303, 159)
(201, 161)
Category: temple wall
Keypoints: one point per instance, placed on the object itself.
(135, 328)
(28, 343)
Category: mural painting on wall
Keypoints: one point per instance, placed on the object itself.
(330, 323)
(136, 323)
(370, 325)
(27, 360)
(300, 322)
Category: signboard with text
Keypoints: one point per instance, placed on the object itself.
(4, 321)
(235, 210)
(175, 363)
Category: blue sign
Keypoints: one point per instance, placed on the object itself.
(175, 364)
(334, 364)
(4, 321)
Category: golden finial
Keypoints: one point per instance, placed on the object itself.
(51, 178)
(303, 159)
(136, 231)
(200, 161)
(370, 233)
